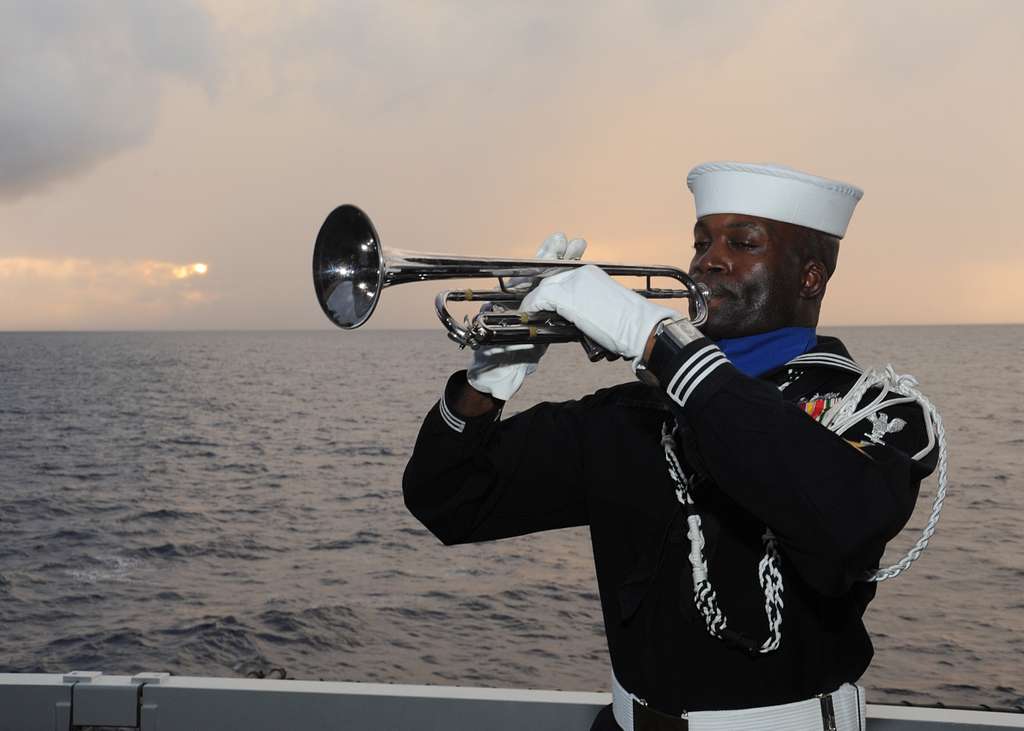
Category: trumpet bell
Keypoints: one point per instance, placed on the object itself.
(348, 267)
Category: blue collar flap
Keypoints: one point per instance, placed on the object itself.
(755, 355)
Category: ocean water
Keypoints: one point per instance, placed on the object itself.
(229, 503)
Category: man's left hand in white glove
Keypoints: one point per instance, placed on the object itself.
(615, 317)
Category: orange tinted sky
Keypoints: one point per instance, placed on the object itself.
(142, 138)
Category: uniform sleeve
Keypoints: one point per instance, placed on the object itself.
(482, 478)
(831, 504)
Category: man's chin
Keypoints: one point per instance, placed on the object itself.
(714, 332)
(721, 326)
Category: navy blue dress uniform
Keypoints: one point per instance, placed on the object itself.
(756, 457)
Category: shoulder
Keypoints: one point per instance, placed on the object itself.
(879, 409)
(869, 406)
(892, 411)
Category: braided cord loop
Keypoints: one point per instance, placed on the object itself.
(848, 412)
(768, 573)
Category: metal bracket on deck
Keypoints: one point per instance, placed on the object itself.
(67, 701)
(111, 700)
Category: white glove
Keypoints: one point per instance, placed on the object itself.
(500, 369)
(613, 316)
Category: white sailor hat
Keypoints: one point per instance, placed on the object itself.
(773, 191)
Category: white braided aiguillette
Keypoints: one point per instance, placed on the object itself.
(845, 414)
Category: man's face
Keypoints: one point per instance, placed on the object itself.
(753, 274)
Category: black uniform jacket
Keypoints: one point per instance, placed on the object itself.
(760, 459)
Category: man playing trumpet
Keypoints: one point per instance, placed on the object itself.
(732, 520)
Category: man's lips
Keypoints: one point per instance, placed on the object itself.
(718, 292)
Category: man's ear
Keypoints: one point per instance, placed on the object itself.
(813, 279)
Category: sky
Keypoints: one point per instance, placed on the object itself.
(166, 164)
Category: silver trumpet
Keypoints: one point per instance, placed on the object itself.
(350, 269)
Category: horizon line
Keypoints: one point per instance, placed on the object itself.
(438, 330)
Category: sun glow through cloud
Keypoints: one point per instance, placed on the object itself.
(80, 290)
(189, 270)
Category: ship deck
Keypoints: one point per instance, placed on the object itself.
(157, 701)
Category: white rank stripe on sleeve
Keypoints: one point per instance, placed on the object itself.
(826, 359)
(697, 367)
(449, 416)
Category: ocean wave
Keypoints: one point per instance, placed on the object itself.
(362, 538)
(162, 514)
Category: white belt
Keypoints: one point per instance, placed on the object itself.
(845, 706)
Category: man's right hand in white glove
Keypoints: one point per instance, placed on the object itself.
(499, 370)
(613, 316)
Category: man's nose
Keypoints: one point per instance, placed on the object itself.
(713, 260)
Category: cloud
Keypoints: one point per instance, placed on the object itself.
(370, 58)
(65, 293)
(80, 82)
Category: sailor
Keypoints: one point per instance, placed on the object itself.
(733, 517)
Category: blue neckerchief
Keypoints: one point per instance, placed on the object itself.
(757, 354)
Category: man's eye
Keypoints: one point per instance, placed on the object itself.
(701, 244)
(745, 244)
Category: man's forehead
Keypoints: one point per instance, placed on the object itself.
(733, 221)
